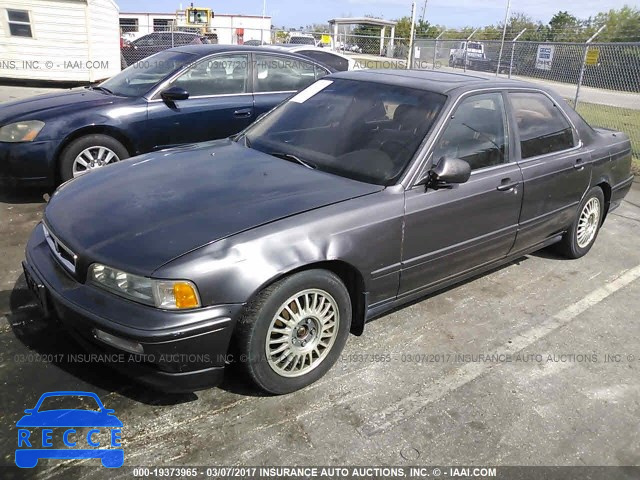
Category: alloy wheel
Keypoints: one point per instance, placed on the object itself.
(588, 222)
(93, 158)
(302, 332)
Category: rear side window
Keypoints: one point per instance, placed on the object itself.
(542, 127)
(334, 61)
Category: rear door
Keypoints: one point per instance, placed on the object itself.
(555, 166)
(453, 230)
(220, 103)
(277, 77)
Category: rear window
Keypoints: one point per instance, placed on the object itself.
(475, 46)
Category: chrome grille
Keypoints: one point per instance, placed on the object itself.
(60, 251)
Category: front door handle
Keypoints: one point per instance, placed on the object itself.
(506, 184)
(244, 113)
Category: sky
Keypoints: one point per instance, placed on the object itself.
(452, 13)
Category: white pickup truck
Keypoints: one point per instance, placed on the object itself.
(475, 50)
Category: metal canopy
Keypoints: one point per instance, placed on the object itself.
(336, 22)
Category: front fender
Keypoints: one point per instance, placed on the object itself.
(365, 233)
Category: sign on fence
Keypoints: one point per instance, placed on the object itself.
(544, 59)
(593, 54)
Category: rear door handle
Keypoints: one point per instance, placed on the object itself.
(244, 113)
(578, 165)
(506, 184)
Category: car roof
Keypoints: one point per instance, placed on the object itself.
(207, 49)
(439, 82)
(294, 47)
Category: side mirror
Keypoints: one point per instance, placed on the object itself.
(174, 94)
(447, 172)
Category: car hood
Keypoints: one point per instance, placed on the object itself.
(141, 213)
(40, 107)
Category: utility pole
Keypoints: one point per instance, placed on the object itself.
(504, 34)
(424, 11)
(413, 30)
(264, 14)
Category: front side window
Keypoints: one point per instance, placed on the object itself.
(19, 23)
(541, 125)
(139, 78)
(476, 133)
(220, 75)
(284, 74)
(366, 131)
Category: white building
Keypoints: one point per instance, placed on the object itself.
(231, 29)
(59, 40)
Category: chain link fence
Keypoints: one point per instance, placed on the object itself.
(602, 80)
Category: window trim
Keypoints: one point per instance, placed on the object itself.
(15, 22)
(576, 137)
(422, 158)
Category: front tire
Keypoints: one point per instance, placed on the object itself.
(294, 331)
(88, 153)
(584, 230)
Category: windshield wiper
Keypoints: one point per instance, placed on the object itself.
(102, 89)
(292, 158)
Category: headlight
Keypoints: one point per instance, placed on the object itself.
(167, 294)
(21, 131)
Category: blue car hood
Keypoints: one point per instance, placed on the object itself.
(69, 418)
(141, 213)
(41, 107)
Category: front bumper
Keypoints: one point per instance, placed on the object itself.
(182, 351)
(28, 163)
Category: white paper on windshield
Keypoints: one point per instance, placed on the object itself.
(309, 92)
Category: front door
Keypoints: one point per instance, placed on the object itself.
(452, 231)
(220, 103)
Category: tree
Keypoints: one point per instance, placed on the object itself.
(564, 27)
(620, 25)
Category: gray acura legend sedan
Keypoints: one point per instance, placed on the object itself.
(362, 192)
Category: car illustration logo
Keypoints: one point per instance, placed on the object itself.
(69, 433)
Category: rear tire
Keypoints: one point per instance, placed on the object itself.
(584, 230)
(294, 331)
(91, 143)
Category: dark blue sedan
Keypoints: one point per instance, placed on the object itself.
(183, 95)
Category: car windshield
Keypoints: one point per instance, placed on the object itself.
(69, 402)
(142, 76)
(361, 130)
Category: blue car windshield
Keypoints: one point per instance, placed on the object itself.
(357, 129)
(69, 402)
(142, 76)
